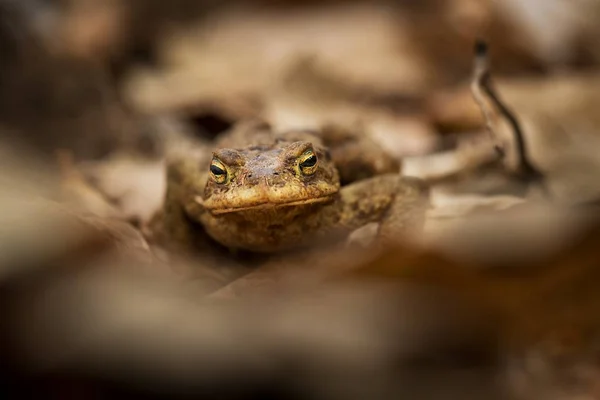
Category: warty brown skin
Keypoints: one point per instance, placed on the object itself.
(268, 202)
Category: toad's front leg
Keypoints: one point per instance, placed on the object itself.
(177, 224)
(398, 203)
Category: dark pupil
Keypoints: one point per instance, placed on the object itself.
(309, 162)
(216, 170)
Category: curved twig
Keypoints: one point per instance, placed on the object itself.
(483, 90)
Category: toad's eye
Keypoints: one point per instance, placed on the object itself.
(308, 162)
(218, 171)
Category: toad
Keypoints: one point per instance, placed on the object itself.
(266, 191)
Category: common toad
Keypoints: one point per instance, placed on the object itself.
(266, 191)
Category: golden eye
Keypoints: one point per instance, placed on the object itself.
(308, 162)
(218, 171)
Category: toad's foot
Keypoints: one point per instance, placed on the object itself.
(398, 203)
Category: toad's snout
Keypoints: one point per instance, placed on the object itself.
(264, 177)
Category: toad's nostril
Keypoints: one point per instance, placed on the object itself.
(276, 173)
(249, 175)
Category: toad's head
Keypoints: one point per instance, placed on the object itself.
(283, 173)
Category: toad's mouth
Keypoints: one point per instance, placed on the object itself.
(217, 209)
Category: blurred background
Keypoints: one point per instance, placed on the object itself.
(496, 298)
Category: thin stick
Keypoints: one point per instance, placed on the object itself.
(483, 90)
